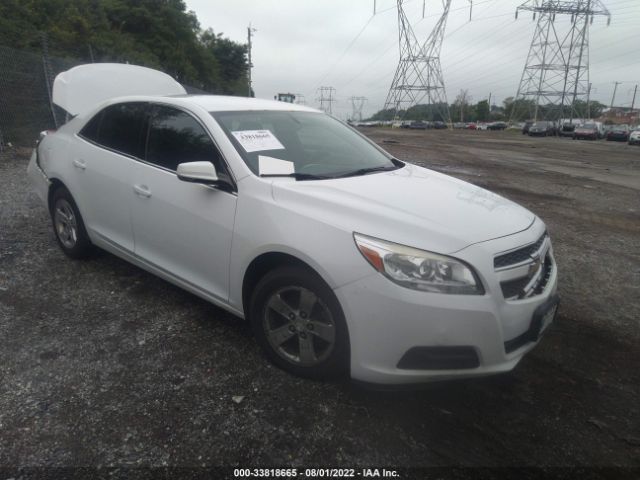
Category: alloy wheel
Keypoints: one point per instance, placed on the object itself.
(65, 223)
(299, 326)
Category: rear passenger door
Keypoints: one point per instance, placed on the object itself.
(103, 166)
(183, 228)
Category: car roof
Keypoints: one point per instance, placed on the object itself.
(222, 103)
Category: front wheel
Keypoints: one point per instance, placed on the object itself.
(299, 323)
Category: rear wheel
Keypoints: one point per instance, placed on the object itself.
(299, 323)
(68, 225)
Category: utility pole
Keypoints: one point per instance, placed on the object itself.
(633, 102)
(418, 78)
(326, 99)
(250, 31)
(615, 89)
(589, 102)
(556, 73)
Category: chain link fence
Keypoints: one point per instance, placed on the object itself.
(26, 79)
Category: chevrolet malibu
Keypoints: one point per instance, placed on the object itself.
(344, 259)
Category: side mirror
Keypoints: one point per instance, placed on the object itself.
(198, 172)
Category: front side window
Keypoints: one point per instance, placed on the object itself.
(176, 137)
(306, 142)
(120, 127)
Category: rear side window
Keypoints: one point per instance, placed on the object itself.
(90, 130)
(123, 128)
(176, 137)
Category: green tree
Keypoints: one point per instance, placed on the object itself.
(159, 34)
(482, 110)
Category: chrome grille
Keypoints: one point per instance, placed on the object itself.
(520, 255)
(530, 285)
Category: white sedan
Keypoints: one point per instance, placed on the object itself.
(343, 258)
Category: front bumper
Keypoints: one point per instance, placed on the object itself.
(386, 321)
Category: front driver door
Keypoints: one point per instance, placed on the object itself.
(182, 228)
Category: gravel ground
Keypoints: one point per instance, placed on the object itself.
(103, 364)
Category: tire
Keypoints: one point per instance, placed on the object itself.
(311, 344)
(68, 225)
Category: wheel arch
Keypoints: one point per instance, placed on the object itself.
(263, 264)
(55, 184)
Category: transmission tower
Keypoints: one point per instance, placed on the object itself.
(356, 107)
(419, 77)
(326, 99)
(556, 74)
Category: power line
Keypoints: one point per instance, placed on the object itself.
(326, 99)
(356, 105)
(557, 67)
(419, 73)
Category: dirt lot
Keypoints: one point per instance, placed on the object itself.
(104, 364)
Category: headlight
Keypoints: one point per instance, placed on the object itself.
(418, 269)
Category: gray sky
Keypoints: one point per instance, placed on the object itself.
(301, 45)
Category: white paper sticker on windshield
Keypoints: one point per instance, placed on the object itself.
(257, 140)
(274, 166)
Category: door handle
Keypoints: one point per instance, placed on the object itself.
(142, 191)
(80, 164)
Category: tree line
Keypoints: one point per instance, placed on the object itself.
(159, 34)
(464, 110)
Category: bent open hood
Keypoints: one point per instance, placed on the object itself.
(83, 87)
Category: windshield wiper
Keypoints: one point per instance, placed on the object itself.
(365, 171)
(297, 176)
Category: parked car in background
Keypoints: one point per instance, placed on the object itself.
(542, 129)
(567, 130)
(588, 131)
(634, 137)
(618, 133)
(406, 124)
(471, 126)
(497, 126)
(459, 125)
(418, 125)
(527, 126)
(438, 125)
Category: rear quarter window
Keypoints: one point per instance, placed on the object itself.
(90, 130)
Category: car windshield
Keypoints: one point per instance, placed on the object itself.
(589, 126)
(309, 144)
